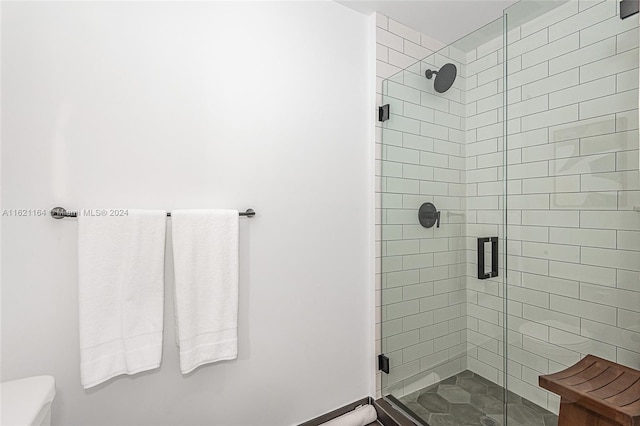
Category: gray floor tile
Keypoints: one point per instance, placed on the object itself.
(471, 400)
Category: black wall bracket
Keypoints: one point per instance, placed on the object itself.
(383, 112)
(383, 363)
(494, 258)
(629, 8)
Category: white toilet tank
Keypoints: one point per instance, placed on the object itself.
(27, 402)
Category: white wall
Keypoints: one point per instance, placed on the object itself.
(196, 105)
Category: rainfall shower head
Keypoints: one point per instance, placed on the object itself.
(444, 78)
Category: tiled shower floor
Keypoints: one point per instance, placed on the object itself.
(468, 399)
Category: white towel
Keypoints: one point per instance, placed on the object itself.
(205, 254)
(121, 289)
(361, 416)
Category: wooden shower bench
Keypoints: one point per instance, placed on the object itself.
(596, 392)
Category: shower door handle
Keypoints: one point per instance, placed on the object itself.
(494, 258)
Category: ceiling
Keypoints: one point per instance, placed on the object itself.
(444, 20)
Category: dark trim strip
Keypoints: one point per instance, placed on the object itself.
(388, 415)
(336, 413)
(406, 411)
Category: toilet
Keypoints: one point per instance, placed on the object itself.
(27, 402)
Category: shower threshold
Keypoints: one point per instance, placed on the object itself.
(467, 399)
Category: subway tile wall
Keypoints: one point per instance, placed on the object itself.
(572, 178)
(574, 240)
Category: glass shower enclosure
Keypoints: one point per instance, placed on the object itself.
(510, 237)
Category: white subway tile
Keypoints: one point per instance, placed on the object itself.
(525, 139)
(385, 70)
(448, 120)
(404, 31)
(612, 142)
(528, 76)
(628, 280)
(607, 28)
(629, 358)
(626, 180)
(402, 309)
(435, 131)
(613, 335)
(585, 201)
(415, 322)
(556, 353)
(528, 43)
(629, 320)
(402, 155)
(582, 20)
(556, 252)
(528, 264)
(552, 50)
(551, 285)
(529, 296)
(621, 259)
(616, 297)
(627, 120)
(418, 112)
(584, 273)
(389, 39)
(421, 143)
(433, 158)
(556, 14)
(583, 165)
(584, 128)
(482, 119)
(625, 220)
(490, 74)
(528, 202)
(381, 20)
(609, 65)
(528, 233)
(482, 63)
(581, 308)
(550, 118)
(627, 40)
(629, 240)
(580, 344)
(583, 237)
(482, 91)
(583, 92)
(551, 218)
(627, 80)
(551, 318)
(528, 170)
(549, 84)
(551, 185)
(600, 50)
(401, 60)
(403, 186)
(618, 102)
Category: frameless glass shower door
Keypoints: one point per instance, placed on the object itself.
(442, 197)
(574, 252)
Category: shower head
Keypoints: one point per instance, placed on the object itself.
(444, 77)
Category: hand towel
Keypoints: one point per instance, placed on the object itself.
(121, 293)
(205, 254)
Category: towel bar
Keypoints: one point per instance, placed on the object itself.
(61, 213)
